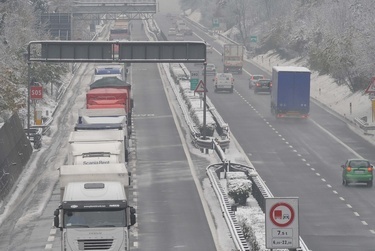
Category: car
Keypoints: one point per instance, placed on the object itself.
(357, 171)
(172, 32)
(254, 78)
(180, 37)
(210, 69)
(209, 48)
(262, 85)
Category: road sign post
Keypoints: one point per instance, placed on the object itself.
(194, 79)
(215, 23)
(36, 92)
(371, 87)
(282, 226)
(253, 39)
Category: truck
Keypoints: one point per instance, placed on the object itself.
(103, 98)
(120, 31)
(91, 147)
(233, 58)
(105, 116)
(290, 92)
(110, 70)
(94, 213)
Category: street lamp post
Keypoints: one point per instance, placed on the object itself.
(204, 100)
(28, 97)
(26, 56)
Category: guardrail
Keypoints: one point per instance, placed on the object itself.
(366, 127)
(259, 188)
(229, 215)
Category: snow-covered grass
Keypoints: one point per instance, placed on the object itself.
(337, 98)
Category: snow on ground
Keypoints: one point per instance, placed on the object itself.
(324, 91)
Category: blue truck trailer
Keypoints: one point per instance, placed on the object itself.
(290, 93)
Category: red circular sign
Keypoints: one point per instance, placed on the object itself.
(282, 214)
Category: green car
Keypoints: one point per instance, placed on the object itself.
(357, 171)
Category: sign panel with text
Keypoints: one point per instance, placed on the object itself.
(36, 92)
(282, 227)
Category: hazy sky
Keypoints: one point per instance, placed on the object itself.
(171, 6)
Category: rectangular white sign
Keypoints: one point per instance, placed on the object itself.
(282, 225)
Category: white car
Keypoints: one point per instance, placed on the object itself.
(180, 37)
(172, 32)
(210, 69)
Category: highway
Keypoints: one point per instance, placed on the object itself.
(295, 158)
(166, 191)
(299, 159)
(170, 212)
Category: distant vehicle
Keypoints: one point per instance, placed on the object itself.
(357, 171)
(290, 93)
(209, 48)
(188, 31)
(210, 69)
(224, 82)
(172, 32)
(253, 79)
(180, 37)
(263, 85)
(233, 58)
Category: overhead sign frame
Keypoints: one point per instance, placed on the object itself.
(129, 51)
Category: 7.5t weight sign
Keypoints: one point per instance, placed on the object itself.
(36, 92)
(282, 223)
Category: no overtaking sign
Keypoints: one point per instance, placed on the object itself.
(282, 230)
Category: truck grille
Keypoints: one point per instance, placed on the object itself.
(95, 244)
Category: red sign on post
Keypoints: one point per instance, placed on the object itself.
(36, 92)
(371, 88)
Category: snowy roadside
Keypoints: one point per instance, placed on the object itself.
(337, 99)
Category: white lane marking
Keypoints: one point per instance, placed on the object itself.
(338, 140)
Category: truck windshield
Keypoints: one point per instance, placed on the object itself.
(94, 218)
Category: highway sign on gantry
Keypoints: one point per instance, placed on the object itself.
(282, 223)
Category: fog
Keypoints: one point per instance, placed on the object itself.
(171, 6)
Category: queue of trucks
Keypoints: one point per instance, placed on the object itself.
(94, 213)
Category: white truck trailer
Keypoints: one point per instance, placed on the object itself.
(93, 147)
(233, 58)
(94, 213)
(108, 116)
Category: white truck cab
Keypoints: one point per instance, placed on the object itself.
(94, 213)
